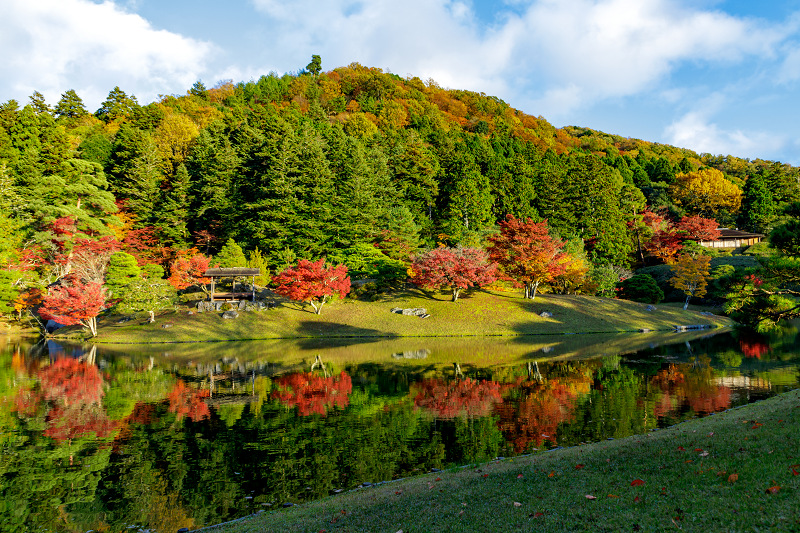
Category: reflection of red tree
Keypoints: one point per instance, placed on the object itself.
(184, 401)
(690, 385)
(536, 416)
(753, 347)
(467, 397)
(313, 394)
(71, 390)
(70, 381)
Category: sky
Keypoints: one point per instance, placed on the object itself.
(715, 76)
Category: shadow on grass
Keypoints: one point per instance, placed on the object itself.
(333, 334)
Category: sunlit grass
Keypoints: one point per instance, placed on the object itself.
(480, 313)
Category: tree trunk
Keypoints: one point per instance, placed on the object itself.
(534, 286)
(686, 303)
(456, 292)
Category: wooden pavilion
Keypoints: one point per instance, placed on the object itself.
(220, 273)
(731, 238)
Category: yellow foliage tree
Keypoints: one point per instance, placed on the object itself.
(173, 138)
(707, 193)
(691, 275)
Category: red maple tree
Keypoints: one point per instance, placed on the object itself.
(313, 282)
(75, 302)
(699, 228)
(313, 394)
(188, 269)
(526, 253)
(456, 269)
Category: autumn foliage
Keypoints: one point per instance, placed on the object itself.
(450, 399)
(527, 254)
(184, 401)
(456, 269)
(75, 302)
(188, 269)
(312, 394)
(313, 282)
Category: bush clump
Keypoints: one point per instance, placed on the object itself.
(640, 288)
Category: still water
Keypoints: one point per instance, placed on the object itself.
(160, 437)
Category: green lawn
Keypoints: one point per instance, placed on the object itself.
(481, 313)
(734, 471)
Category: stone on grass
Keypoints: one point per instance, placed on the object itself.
(230, 314)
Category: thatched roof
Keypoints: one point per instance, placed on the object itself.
(231, 272)
(728, 234)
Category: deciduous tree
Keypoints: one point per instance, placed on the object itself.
(313, 282)
(188, 269)
(527, 253)
(453, 268)
(75, 302)
(691, 275)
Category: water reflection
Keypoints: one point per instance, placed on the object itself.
(108, 438)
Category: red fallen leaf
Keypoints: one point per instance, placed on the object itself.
(551, 474)
(757, 425)
(795, 472)
(344, 512)
(398, 492)
(698, 449)
(438, 479)
(590, 497)
(613, 496)
(535, 515)
(681, 449)
(773, 490)
(637, 482)
(636, 500)
(519, 476)
(578, 466)
(732, 478)
(689, 461)
(486, 475)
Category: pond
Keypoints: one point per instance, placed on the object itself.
(159, 437)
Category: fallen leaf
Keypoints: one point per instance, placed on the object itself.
(637, 482)
(704, 454)
(517, 504)
(438, 479)
(733, 478)
(590, 497)
(698, 449)
(757, 425)
(519, 476)
(486, 475)
(689, 461)
(795, 472)
(551, 474)
(636, 500)
(578, 466)
(681, 449)
(773, 490)
(711, 434)
(535, 515)
(613, 496)
(398, 492)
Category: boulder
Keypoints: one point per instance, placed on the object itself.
(545, 314)
(232, 313)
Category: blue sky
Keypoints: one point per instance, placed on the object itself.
(715, 76)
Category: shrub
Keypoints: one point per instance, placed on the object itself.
(641, 288)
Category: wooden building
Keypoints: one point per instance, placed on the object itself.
(732, 238)
(216, 274)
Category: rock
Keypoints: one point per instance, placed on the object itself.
(397, 310)
(645, 330)
(230, 314)
(650, 308)
(217, 306)
(167, 325)
(190, 313)
(242, 305)
(412, 354)
(411, 311)
(545, 314)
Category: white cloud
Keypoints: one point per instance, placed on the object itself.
(55, 45)
(695, 131)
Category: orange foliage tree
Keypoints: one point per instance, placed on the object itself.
(450, 399)
(75, 302)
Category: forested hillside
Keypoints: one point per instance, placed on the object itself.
(354, 164)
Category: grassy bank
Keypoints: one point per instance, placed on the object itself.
(734, 471)
(482, 313)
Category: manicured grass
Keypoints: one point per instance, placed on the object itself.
(734, 471)
(481, 313)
